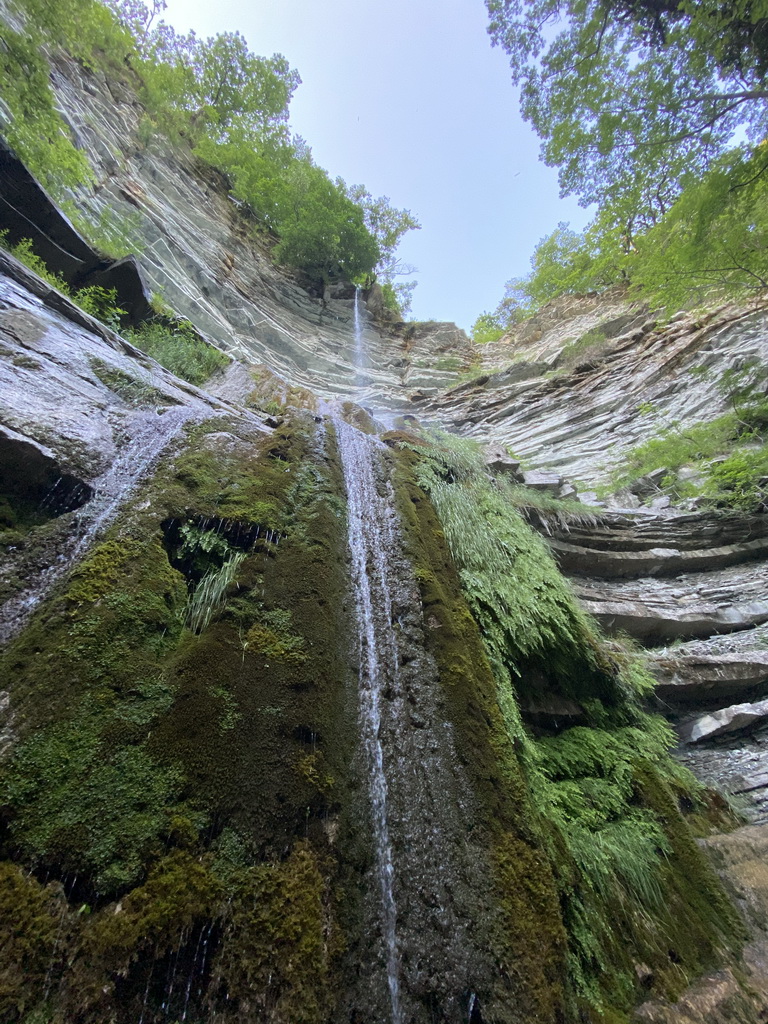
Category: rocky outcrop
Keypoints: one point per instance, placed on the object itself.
(694, 605)
(727, 996)
(732, 719)
(709, 679)
(85, 415)
(203, 255)
(582, 421)
(643, 543)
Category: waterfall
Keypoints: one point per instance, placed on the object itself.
(371, 537)
(151, 432)
(358, 323)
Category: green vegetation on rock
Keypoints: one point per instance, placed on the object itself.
(727, 458)
(604, 794)
(656, 112)
(168, 792)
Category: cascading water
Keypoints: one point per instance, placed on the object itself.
(429, 876)
(358, 329)
(151, 432)
(371, 536)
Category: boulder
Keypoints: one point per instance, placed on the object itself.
(543, 480)
(568, 492)
(648, 484)
(499, 462)
(736, 718)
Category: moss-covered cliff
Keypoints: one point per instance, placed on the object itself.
(192, 792)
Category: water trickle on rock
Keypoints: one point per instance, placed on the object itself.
(359, 343)
(151, 432)
(370, 524)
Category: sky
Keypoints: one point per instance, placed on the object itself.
(409, 98)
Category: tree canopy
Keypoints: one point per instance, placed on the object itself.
(633, 99)
(656, 111)
(230, 105)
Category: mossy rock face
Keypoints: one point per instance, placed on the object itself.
(181, 789)
(526, 939)
(593, 861)
(180, 815)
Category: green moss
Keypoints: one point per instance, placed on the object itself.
(273, 638)
(526, 933)
(79, 805)
(131, 390)
(170, 772)
(275, 951)
(155, 917)
(34, 926)
(617, 858)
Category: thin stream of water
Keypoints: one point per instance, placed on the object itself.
(370, 536)
(151, 433)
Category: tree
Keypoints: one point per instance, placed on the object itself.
(633, 99)
(387, 224)
(714, 239)
(222, 91)
(322, 231)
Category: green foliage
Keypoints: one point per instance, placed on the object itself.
(632, 105)
(591, 345)
(387, 225)
(98, 302)
(520, 600)
(101, 303)
(639, 105)
(713, 240)
(487, 328)
(178, 348)
(624, 862)
(113, 234)
(211, 592)
(36, 130)
(213, 94)
(131, 390)
(25, 254)
(735, 481)
(729, 451)
(322, 232)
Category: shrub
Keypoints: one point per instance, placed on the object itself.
(179, 349)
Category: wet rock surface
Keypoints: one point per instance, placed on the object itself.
(199, 250)
(83, 417)
(739, 994)
(696, 604)
(582, 421)
(643, 543)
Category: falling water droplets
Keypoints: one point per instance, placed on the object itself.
(370, 538)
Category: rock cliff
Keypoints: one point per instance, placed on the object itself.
(300, 723)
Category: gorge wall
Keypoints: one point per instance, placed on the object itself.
(301, 721)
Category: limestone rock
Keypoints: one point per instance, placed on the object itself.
(542, 480)
(648, 484)
(735, 718)
(591, 498)
(499, 462)
(701, 679)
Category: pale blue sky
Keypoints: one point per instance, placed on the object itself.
(409, 98)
